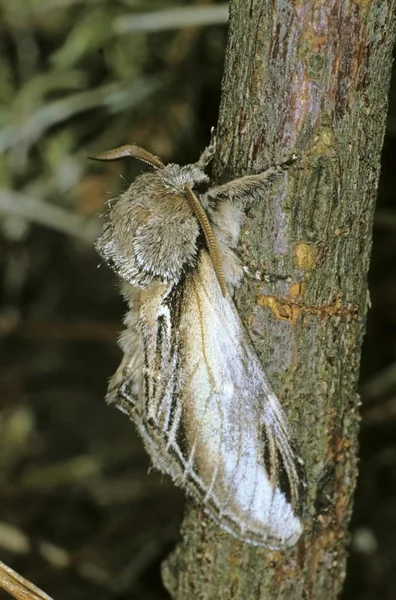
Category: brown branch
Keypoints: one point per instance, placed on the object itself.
(311, 78)
(19, 587)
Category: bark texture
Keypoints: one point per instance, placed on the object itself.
(308, 77)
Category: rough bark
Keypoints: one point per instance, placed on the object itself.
(312, 78)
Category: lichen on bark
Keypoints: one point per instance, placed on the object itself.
(311, 78)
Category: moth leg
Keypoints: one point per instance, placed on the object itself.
(246, 187)
(208, 153)
(256, 276)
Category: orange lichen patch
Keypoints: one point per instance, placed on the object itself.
(208, 555)
(320, 541)
(305, 256)
(283, 573)
(288, 310)
(329, 538)
(341, 449)
(275, 556)
(339, 232)
(341, 506)
(297, 290)
(234, 560)
(282, 309)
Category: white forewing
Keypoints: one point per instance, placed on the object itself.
(207, 412)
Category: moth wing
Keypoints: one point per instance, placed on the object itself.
(209, 416)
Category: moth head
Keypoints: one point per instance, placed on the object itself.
(153, 230)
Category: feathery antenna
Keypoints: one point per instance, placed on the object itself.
(132, 151)
(209, 236)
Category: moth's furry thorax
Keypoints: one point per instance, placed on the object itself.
(151, 233)
(175, 177)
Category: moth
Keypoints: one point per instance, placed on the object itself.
(190, 378)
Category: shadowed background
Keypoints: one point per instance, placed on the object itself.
(79, 515)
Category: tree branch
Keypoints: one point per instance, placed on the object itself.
(310, 78)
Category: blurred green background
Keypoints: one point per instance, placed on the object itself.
(79, 515)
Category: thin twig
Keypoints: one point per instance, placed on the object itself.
(18, 586)
(173, 18)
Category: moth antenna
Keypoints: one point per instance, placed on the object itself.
(132, 151)
(209, 236)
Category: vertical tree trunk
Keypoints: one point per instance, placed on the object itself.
(310, 77)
